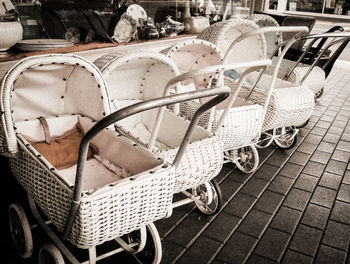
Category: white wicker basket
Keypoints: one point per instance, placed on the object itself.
(222, 34)
(243, 123)
(315, 79)
(138, 76)
(60, 86)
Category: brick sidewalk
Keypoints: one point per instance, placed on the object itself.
(294, 209)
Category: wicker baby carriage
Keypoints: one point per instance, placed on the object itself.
(286, 105)
(239, 121)
(91, 193)
(138, 76)
(310, 75)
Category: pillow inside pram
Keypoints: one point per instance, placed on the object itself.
(110, 159)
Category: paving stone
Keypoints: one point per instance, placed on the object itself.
(299, 158)
(336, 130)
(240, 204)
(313, 139)
(341, 212)
(273, 244)
(330, 180)
(222, 226)
(340, 155)
(343, 145)
(297, 199)
(286, 219)
(314, 168)
(331, 138)
(307, 148)
(239, 176)
(170, 251)
(346, 178)
(321, 157)
(255, 186)
(323, 124)
(326, 147)
(255, 223)
(269, 202)
(337, 235)
(188, 229)
(323, 196)
(291, 170)
(327, 255)
(266, 171)
(336, 167)
(278, 158)
(345, 137)
(316, 216)
(293, 257)
(254, 259)
(306, 240)
(327, 118)
(318, 131)
(196, 251)
(237, 249)
(281, 184)
(344, 193)
(306, 182)
(229, 187)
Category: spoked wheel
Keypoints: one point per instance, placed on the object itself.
(20, 230)
(152, 252)
(248, 159)
(210, 197)
(265, 139)
(285, 137)
(50, 254)
(319, 94)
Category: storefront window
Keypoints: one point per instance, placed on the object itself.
(337, 7)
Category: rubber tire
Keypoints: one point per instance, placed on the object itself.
(23, 244)
(290, 146)
(216, 193)
(153, 243)
(256, 160)
(50, 254)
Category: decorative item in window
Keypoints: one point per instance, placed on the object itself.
(148, 30)
(125, 30)
(172, 27)
(137, 13)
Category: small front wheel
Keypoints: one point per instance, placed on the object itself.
(319, 94)
(210, 197)
(152, 252)
(20, 230)
(265, 139)
(285, 137)
(50, 254)
(248, 159)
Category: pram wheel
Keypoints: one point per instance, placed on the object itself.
(248, 159)
(319, 94)
(303, 124)
(210, 197)
(285, 137)
(50, 254)
(152, 252)
(265, 139)
(20, 230)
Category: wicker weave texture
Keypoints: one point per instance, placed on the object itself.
(103, 215)
(287, 107)
(240, 127)
(315, 80)
(222, 34)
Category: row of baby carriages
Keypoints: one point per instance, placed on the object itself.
(101, 148)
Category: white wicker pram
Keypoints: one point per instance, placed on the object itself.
(300, 74)
(286, 105)
(236, 121)
(120, 189)
(138, 76)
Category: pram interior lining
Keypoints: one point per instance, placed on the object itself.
(116, 158)
(56, 89)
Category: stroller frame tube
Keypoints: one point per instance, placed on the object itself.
(220, 93)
